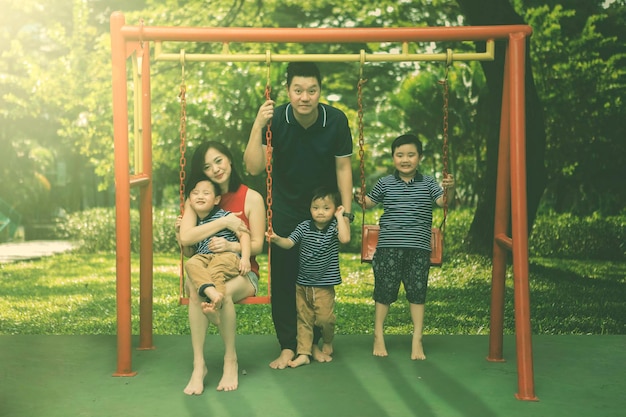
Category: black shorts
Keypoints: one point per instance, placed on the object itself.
(394, 265)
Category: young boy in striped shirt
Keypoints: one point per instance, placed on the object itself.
(318, 272)
(403, 249)
(207, 270)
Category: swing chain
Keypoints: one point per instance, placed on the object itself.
(360, 84)
(183, 162)
(446, 96)
(183, 142)
(268, 157)
(268, 167)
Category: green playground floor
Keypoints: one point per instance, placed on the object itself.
(71, 376)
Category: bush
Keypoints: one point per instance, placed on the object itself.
(568, 236)
(94, 230)
(557, 236)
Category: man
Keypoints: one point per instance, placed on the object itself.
(312, 147)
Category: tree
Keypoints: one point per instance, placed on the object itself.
(579, 56)
(480, 236)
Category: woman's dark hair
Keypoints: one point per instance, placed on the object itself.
(194, 179)
(404, 140)
(197, 162)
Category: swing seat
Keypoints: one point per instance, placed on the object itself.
(370, 240)
(255, 299)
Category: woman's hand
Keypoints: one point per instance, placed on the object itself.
(179, 220)
(235, 224)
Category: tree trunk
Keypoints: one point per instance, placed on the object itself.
(480, 235)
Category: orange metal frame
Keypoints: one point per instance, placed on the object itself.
(511, 182)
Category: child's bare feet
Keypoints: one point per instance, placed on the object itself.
(213, 314)
(327, 348)
(282, 361)
(196, 382)
(230, 378)
(215, 296)
(300, 360)
(417, 350)
(319, 355)
(379, 346)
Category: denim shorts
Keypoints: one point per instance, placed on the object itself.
(254, 280)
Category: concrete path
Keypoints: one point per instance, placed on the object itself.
(34, 249)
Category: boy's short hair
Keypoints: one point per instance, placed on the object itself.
(193, 180)
(407, 139)
(303, 69)
(323, 192)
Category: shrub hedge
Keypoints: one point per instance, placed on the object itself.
(553, 235)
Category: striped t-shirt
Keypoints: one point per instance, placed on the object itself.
(216, 213)
(408, 210)
(319, 254)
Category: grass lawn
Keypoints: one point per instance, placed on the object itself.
(75, 294)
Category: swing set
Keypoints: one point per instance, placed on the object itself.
(134, 42)
(369, 232)
(183, 297)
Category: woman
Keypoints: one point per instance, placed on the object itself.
(247, 213)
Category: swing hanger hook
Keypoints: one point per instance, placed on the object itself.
(268, 62)
(362, 62)
(449, 59)
(182, 63)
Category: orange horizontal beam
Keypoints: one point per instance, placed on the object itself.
(320, 35)
(504, 241)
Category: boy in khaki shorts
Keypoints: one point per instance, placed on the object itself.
(318, 272)
(209, 271)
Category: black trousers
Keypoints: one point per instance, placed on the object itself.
(284, 271)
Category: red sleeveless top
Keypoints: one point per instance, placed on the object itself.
(235, 202)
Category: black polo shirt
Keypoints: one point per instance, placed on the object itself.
(304, 159)
(408, 210)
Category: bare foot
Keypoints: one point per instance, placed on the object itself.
(230, 378)
(327, 348)
(215, 296)
(212, 313)
(319, 355)
(196, 382)
(283, 360)
(379, 346)
(300, 360)
(417, 351)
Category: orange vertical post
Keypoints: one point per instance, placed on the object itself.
(122, 197)
(519, 216)
(145, 209)
(501, 222)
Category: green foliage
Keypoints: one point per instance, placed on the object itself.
(571, 237)
(554, 235)
(94, 229)
(578, 64)
(55, 95)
